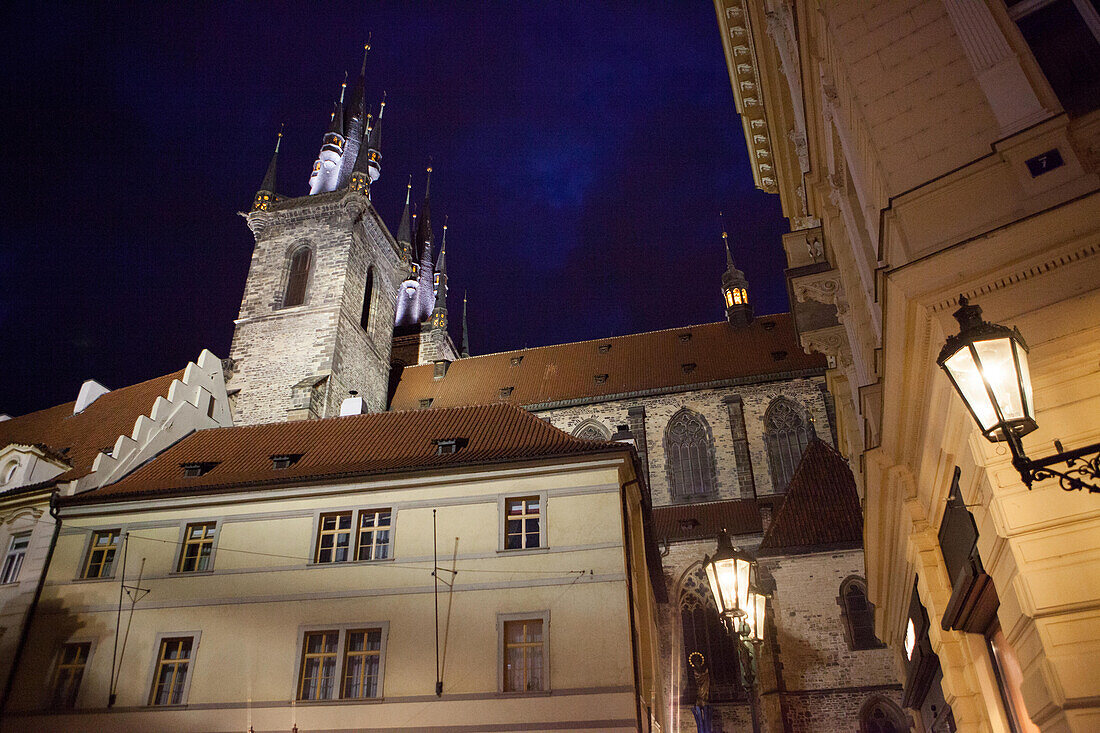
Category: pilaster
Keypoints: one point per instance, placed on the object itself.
(745, 479)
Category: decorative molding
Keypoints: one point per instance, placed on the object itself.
(824, 287)
(34, 512)
(833, 342)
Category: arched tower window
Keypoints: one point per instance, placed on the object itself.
(592, 430)
(859, 615)
(300, 263)
(688, 453)
(787, 432)
(704, 634)
(880, 715)
(368, 291)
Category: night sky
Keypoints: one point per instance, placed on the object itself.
(582, 152)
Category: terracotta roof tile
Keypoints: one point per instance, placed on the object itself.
(343, 447)
(78, 438)
(589, 370)
(821, 508)
(705, 521)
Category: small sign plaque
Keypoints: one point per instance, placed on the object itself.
(1044, 162)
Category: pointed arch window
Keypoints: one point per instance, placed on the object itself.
(859, 615)
(300, 262)
(704, 634)
(787, 432)
(689, 454)
(368, 292)
(882, 716)
(592, 430)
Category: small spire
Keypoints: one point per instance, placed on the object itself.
(366, 50)
(343, 88)
(729, 257)
(266, 194)
(441, 263)
(465, 330)
(424, 236)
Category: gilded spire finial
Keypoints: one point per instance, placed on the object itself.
(343, 87)
(279, 139)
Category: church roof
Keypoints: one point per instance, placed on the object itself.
(340, 448)
(710, 354)
(704, 521)
(77, 439)
(821, 508)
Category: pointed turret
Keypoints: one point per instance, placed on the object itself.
(404, 229)
(355, 124)
(465, 329)
(360, 175)
(735, 291)
(440, 282)
(266, 195)
(424, 243)
(326, 169)
(374, 144)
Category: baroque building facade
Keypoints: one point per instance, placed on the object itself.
(924, 151)
(343, 338)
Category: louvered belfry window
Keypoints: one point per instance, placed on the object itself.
(688, 452)
(299, 276)
(787, 432)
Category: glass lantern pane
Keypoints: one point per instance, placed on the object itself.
(968, 380)
(742, 583)
(999, 369)
(758, 628)
(715, 586)
(1025, 380)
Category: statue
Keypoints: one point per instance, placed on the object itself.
(701, 709)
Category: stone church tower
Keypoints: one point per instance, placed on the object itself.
(316, 319)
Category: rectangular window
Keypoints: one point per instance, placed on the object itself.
(334, 538)
(523, 655)
(522, 522)
(173, 664)
(1064, 36)
(318, 666)
(13, 561)
(373, 541)
(197, 552)
(70, 671)
(101, 554)
(362, 659)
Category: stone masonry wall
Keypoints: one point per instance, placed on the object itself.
(660, 409)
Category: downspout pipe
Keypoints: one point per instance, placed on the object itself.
(24, 633)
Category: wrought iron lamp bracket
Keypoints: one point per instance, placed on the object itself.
(1082, 472)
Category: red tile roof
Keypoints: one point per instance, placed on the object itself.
(691, 356)
(705, 521)
(345, 447)
(78, 438)
(821, 508)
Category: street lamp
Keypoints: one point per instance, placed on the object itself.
(987, 365)
(731, 572)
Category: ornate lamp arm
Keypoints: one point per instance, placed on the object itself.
(1081, 464)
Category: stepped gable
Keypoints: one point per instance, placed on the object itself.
(78, 439)
(620, 366)
(346, 447)
(704, 521)
(821, 508)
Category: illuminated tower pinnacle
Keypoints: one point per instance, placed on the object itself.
(355, 127)
(735, 291)
(326, 169)
(266, 195)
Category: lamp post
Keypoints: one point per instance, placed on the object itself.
(731, 573)
(987, 365)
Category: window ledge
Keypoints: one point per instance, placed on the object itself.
(523, 551)
(525, 693)
(104, 579)
(348, 563)
(187, 573)
(343, 701)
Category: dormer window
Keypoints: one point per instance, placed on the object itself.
(779, 355)
(447, 446)
(516, 360)
(685, 337)
(285, 460)
(603, 348)
(191, 470)
(506, 392)
(768, 325)
(601, 378)
(426, 403)
(689, 367)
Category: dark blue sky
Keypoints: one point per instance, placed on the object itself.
(582, 152)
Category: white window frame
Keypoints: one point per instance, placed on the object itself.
(191, 661)
(543, 616)
(9, 555)
(341, 630)
(502, 522)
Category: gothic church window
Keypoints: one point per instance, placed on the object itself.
(704, 634)
(881, 716)
(859, 615)
(787, 432)
(300, 263)
(688, 449)
(592, 430)
(368, 291)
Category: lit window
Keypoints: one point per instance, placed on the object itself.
(729, 298)
(910, 639)
(70, 671)
(524, 655)
(13, 561)
(362, 664)
(373, 542)
(198, 547)
(334, 538)
(100, 562)
(173, 665)
(522, 525)
(737, 296)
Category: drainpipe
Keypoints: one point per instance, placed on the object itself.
(24, 633)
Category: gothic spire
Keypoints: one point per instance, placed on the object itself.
(404, 229)
(735, 290)
(362, 174)
(266, 195)
(465, 329)
(424, 236)
(356, 118)
(424, 241)
(374, 144)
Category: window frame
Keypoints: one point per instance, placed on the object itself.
(55, 670)
(342, 630)
(89, 548)
(679, 492)
(1089, 16)
(502, 619)
(502, 522)
(158, 645)
(293, 253)
(353, 552)
(846, 614)
(8, 555)
(178, 568)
